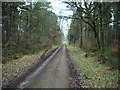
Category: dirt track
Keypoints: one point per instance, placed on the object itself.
(55, 74)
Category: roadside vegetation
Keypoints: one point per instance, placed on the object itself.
(16, 65)
(97, 75)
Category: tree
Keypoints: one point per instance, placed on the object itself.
(95, 19)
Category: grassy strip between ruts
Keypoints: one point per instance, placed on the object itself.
(11, 68)
(98, 75)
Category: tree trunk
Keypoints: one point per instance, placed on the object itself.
(81, 42)
(96, 36)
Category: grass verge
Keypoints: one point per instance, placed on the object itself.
(98, 75)
(16, 66)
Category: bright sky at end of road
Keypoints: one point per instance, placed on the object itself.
(61, 9)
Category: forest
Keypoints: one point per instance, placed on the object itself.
(96, 28)
(60, 44)
(27, 28)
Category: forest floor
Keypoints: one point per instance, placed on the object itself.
(96, 75)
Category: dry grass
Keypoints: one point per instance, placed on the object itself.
(14, 66)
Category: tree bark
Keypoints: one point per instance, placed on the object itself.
(81, 36)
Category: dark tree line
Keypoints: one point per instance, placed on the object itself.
(95, 25)
(28, 27)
